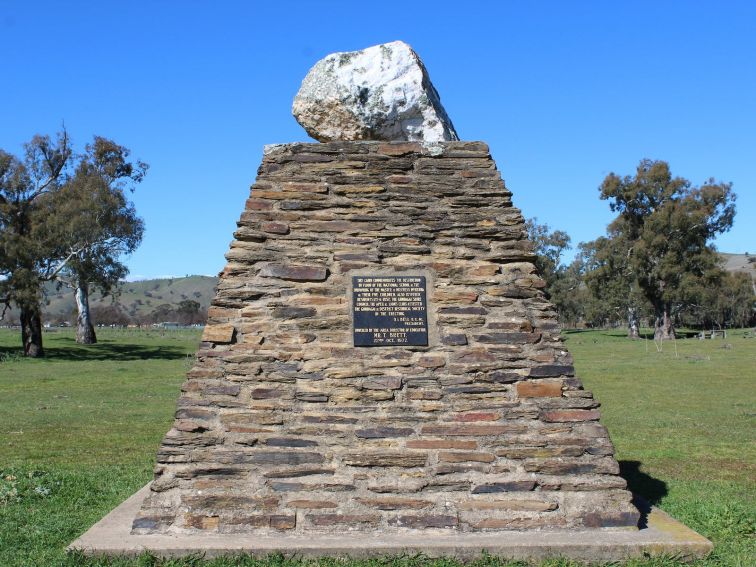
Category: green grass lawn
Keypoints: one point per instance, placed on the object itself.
(79, 431)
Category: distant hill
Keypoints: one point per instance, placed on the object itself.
(137, 299)
(740, 263)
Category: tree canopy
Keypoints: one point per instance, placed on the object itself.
(662, 234)
(95, 213)
(29, 254)
(63, 217)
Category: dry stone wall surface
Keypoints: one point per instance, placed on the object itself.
(284, 426)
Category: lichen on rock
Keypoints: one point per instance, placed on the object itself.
(379, 93)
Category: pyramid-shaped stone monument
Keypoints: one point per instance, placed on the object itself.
(381, 372)
(380, 355)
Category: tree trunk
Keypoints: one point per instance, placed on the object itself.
(663, 327)
(31, 331)
(633, 327)
(85, 333)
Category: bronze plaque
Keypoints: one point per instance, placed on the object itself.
(389, 310)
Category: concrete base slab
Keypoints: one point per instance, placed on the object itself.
(663, 535)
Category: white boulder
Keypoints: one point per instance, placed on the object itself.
(379, 93)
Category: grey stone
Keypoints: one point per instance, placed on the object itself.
(379, 93)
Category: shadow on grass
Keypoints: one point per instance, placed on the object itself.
(68, 349)
(652, 489)
(647, 490)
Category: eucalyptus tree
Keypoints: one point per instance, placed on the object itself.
(28, 254)
(660, 239)
(64, 218)
(612, 281)
(97, 218)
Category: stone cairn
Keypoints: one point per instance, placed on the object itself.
(284, 426)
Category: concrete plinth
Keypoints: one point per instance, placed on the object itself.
(662, 535)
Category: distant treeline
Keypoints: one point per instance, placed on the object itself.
(656, 265)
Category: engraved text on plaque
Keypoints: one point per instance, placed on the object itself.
(389, 310)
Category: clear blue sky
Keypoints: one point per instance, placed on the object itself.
(563, 92)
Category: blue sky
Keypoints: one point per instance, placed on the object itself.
(563, 92)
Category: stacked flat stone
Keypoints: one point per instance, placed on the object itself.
(284, 426)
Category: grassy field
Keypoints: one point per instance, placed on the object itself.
(79, 430)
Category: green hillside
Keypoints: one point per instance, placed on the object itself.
(136, 299)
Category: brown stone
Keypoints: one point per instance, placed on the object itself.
(223, 333)
(456, 339)
(398, 486)
(473, 310)
(338, 419)
(424, 522)
(549, 370)
(571, 415)
(392, 503)
(424, 395)
(539, 389)
(611, 519)
(385, 383)
(509, 504)
(505, 377)
(539, 452)
(515, 523)
(280, 522)
(399, 149)
(258, 205)
(466, 456)
(282, 486)
(195, 413)
(385, 459)
(283, 458)
(290, 442)
(473, 356)
(275, 227)
(293, 312)
(298, 472)
(471, 430)
(266, 393)
(300, 187)
(506, 486)
(455, 296)
(508, 338)
(295, 273)
(431, 361)
(455, 468)
(383, 432)
(219, 501)
(251, 418)
(221, 313)
(568, 467)
(311, 504)
(342, 519)
(201, 522)
(477, 416)
(440, 444)
(358, 189)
